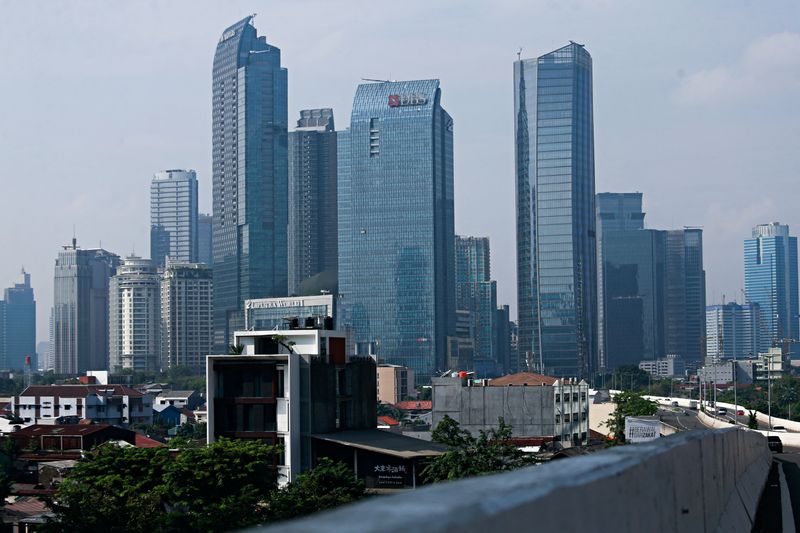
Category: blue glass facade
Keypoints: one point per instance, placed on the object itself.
(556, 248)
(249, 141)
(634, 266)
(173, 217)
(685, 294)
(18, 325)
(396, 224)
(770, 281)
(732, 331)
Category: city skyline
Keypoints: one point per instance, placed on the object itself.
(698, 85)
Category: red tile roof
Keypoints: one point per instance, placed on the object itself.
(415, 405)
(26, 506)
(388, 421)
(522, 378)
(79, 391)
(146, 442)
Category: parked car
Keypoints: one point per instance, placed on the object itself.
(775, 444)
(779, 429)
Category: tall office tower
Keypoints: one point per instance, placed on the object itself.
(18, 325)
(685, 294)
(173, 216)
(731, 331)
(476, 293)
(80, 308)
(204, 239)
(187, 330)
(502, 342)
(396, 224)
(614, 212)
(634, 271)
(313, 223)
(134, 310)
(770, 281)
(249, 159)
(556, 249)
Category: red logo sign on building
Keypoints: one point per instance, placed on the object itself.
(394, 100)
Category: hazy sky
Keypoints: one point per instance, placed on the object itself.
(697, 105)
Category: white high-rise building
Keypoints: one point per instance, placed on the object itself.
(186, 315)
(134, 309)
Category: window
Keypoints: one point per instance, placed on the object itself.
(558, 419)
(583, 416)
(566, 417)
(574, 396)
(558, 397)
(583, 396)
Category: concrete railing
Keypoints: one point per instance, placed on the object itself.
(702, 481)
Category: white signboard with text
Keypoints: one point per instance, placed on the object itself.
(642, 429)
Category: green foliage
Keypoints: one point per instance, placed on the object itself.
(752, 421)
(218, 487)
(325, 486)
(424, 393)
(193, 431)
(785, 397)
(385, 409)
(628, 404)
(235, 349)
(492, 451)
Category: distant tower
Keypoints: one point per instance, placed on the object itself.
(186, 315)
(173, 216)
(80, 308)
(771, 282)
(312, 202)
(17, 324)
(135, 319)
(249, 159)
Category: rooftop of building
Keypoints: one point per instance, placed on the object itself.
(176, 393)
(72, 430)
(521, 379)
(384, 442)
(79, 391)
(414, 405)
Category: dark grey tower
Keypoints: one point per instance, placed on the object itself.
(80, 309)
(250, 204)
(312, 204)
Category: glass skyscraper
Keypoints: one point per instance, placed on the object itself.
(80, 309)
(556, 248)
(204, 238)
(249, 159)
(685, 294)
(615, 212)
(18, 325)
(313, 250)
(396, 224)
(732, 331)
(477, 293)
(770, 281)
(173, 216)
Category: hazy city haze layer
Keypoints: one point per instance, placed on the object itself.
(694, 105)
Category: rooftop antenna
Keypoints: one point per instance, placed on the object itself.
(519, 54)
(377, 81)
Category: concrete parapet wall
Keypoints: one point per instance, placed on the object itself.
(704, 481)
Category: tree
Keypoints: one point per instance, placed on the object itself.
(752, 420)
(385, 409)
(492, 451)
(235, 349)
(327, 485)
(221, 486)
(628, 404)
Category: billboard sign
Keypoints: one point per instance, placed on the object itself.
(639, 429)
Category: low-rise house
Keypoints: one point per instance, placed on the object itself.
(179, 398)
(108, 404)
(69, 438)
(167, 414)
